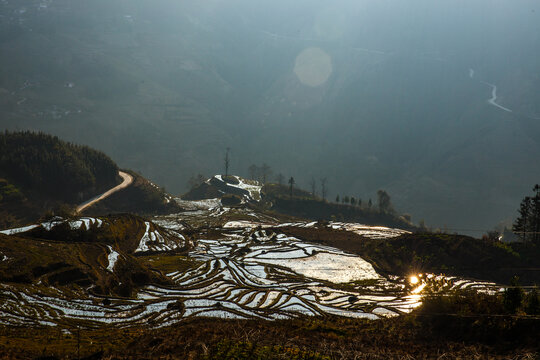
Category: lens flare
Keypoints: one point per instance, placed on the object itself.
(313, 66)
(414, 280)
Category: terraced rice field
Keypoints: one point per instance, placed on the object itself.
(244, 270)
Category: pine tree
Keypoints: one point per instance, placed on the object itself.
(522, 225)
(527, 225)
(536, 215)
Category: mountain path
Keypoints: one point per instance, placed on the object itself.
(128, 179)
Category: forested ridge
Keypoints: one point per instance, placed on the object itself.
(44, 166)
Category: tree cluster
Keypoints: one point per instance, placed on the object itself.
(44, 164)
(527, 225)
(349, 200)
(383, 201)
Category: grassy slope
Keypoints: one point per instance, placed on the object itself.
(435, 253)
(141, 197)
(214, 188)
(308, 338)
(303, 204)
(79, 258)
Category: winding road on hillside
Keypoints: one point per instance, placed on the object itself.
(128, 179)
(493, 99)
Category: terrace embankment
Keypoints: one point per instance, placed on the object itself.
(93, 253)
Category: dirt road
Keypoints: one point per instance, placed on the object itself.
(128, 179)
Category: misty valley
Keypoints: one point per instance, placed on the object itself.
(269, 180)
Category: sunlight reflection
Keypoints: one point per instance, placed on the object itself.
(419, 289)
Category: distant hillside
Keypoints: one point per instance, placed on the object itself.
(303, 204)
(234, 188)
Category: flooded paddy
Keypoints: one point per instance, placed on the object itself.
(246, 269)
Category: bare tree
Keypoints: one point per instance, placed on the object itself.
(291, 183)
(313, 185)
(266, 171)
(383, 199)
(253, 171)
(324, 189)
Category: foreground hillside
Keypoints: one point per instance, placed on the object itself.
(417, 336)
(237, 282)
(83, 255)
(232, 274)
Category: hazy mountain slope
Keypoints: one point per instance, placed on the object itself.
(165, 88)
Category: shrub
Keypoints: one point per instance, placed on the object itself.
(231, 200)
(513, 296)
(532, 303)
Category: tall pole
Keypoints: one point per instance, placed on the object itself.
(227, 162)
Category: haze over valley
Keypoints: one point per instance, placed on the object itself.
(371, 95)
(238, 179)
